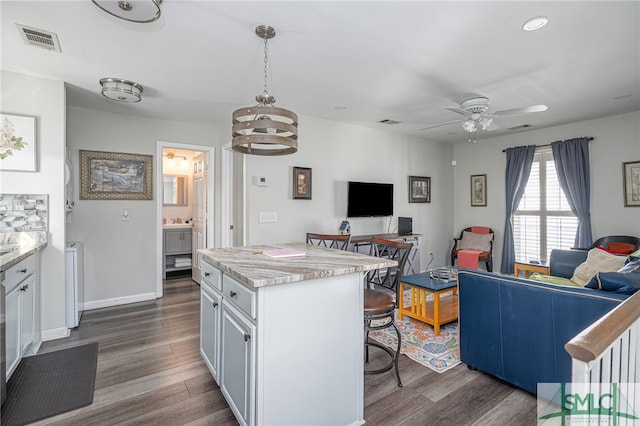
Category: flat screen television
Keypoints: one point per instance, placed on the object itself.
(367, 199)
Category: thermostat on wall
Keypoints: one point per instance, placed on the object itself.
(260, 181)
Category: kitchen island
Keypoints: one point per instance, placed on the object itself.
(283, 337)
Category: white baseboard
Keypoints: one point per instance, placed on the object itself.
(105, 303)
(55, 333)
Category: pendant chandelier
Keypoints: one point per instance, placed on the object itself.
(265, 129)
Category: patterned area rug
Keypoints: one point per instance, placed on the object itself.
(439, 353)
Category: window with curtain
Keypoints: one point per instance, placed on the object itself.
(544, 220)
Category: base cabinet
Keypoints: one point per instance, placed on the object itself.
(238, 362)
(13, 336)
(275, 356)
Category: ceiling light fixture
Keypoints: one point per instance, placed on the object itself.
(139, 11)
(265, 129)
(535, 23)
(171, 157)
(121, 90)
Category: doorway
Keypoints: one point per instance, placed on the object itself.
(184, 206)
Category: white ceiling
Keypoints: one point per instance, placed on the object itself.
(405, 61)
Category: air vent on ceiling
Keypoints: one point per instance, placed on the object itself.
(387, 121)
(40, 38)
(524, 126)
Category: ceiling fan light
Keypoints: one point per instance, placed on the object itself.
(535, 23)
(469, 125)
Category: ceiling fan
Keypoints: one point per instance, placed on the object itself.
(476, 115)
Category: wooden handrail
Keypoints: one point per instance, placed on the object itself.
(593, 340)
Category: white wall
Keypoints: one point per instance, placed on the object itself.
(616, 140)
(338, 153)
(44, 99)
(120, 257)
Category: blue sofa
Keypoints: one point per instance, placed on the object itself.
(516, 329)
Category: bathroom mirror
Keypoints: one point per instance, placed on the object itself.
(175, 190)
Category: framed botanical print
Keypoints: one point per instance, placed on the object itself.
(478, 190)
(18, 143)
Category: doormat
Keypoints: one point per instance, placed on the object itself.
(49, 384)
(439, 353)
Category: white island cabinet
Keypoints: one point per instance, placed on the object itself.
(283, 336)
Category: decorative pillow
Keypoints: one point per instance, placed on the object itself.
(597, 261)
(472, 241)
(620, 248)
(550, 279)
(635, 253)
(625, 281)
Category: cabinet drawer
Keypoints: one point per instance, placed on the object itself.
(18, 272)
(212, 275)
(239, 295)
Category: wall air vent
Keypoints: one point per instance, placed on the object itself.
(524, 126)
(40, 38)
(390, 122)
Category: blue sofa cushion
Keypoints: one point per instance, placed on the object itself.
(625, 281)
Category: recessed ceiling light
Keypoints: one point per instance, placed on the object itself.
(535, 23)
(617, 98)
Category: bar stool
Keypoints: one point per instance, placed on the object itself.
(379, 301)
(336, 241)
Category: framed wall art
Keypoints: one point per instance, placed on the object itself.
(115, 176)
(301, 183)
(419, 189)
(18, 143)
(631, 181)
(478, 190)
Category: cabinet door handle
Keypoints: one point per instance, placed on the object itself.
(246, 337)
(215, 304)
(22, 271)
(233, 293)
(24, 287)
(207, 274)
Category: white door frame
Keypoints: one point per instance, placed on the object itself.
(158, 194)
(226, 192)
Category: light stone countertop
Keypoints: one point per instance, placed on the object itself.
(20, 245)
(249, 266)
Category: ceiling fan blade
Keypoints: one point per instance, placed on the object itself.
(441, 124)
(523, 110)
(458, 111)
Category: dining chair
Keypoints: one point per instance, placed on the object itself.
(335, 241)
(380, 296)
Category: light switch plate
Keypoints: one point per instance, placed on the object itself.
(268, 217)
(125, 215)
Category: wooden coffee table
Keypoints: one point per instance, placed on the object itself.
(434, 312)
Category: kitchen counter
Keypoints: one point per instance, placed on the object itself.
(253, 268)
(16, 246)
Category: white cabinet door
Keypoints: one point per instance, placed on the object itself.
(210, 309)
(186, 241)
(13, 332)
(27, 329)
(238, 363)
(173, 241)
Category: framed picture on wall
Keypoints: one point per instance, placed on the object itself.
(631, 181)
(419, 189)
(301, 183)
(18, 143)
(115, 176)
(478, 190)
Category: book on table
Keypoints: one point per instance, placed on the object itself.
(277, 253)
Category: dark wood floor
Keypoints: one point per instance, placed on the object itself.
(150, 373)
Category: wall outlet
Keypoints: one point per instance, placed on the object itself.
(268, 217)
(125, 215)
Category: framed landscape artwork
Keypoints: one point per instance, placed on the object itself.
(631, 179)
(478, 190)
(419, 189)
(301, 183)
(115, 176)
(18, 143)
